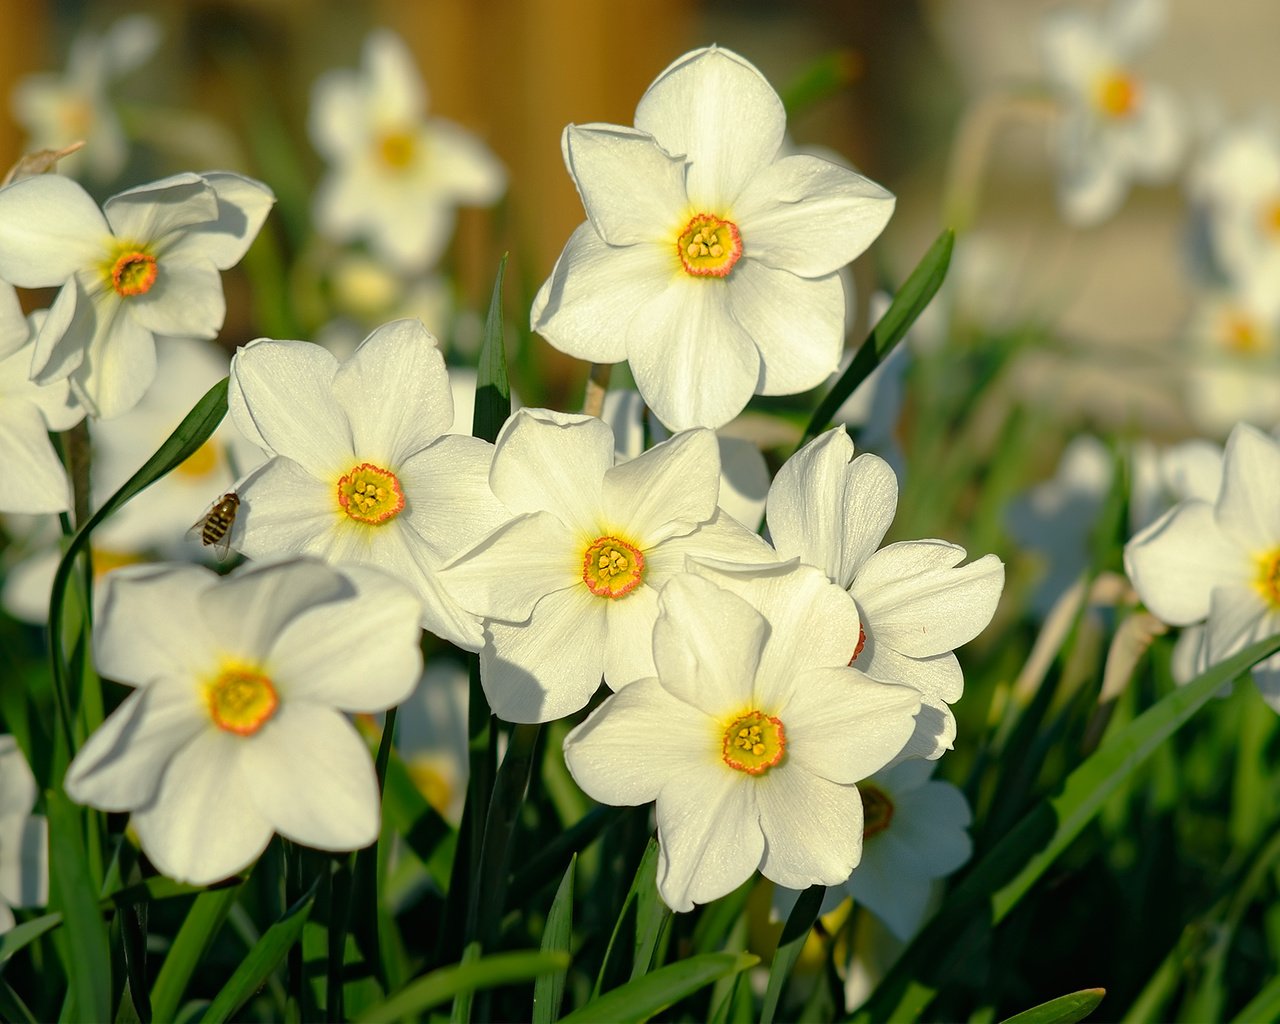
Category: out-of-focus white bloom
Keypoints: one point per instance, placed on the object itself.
(1219, 562)
(431, 736)
(24, 837)
(1235, 189)
(744, 474)
(236, 729)
(148, 267)
(698, 252)
(752, 751)
(1233, 348)
(916, 603)
(361, 469)
(57, 110)
(1116, 125)
(596, 540)
(36, 479)
(396, 174)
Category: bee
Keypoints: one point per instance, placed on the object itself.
(215, 525)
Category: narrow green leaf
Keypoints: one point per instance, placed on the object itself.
(790, 943)
(262, 960)
(822, 77)
(640, 999)
(71, 891)
(493, 390)
(1264, 1006)
(542, 867)
(557, 937)
(646, 873)
(12, 1008)
(193, 940)
(190, 434)
(1016, 863)
(911, 300)
(1074, 1006)
(442, 985)
(653, 919)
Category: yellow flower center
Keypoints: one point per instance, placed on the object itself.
(612, 567)
(241, 700)
(1268, 579)
(133, 273)
(1118, 94)
(370, 494)
(1240, 335)
(397, 150)
(1271, 218)
(877, 809)
(105, 561)
(754, 743)
(200, 463)
(709, 246)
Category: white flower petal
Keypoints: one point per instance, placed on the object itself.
(247, 612)
(932, 820)
(628, 652)
(667, 490)
(706, 370)
(715, 108)
(798, 199)
(550, 666)
(594, 290)
(708, 833)
(313, 779)
(1176, 562)
(17, 784)
(461, 168)
(1248, 510)
(1237, 617)
(120, 765)
(281, 392)
(606, 762)
(242, 206)
(707, 644)
(744, 480)
(939, 678)
(829, 511)
(448, 499)
(24, 870)
(797, 324)
(119, 364)
(14, 329)
(889, 883)
(722, 540)
(395, 391)
(812, 827)
(934, 735)
(632, 189)
(512, 569)
(924, 611)
(36, 480)
(152, 212)
(553, 462)
(202, 826)
(395, 87)
(1157, 136)
(361, 657)
(186, 300)
(284, 510)
(65, 334)
(49, 229)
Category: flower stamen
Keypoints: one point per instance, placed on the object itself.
(370, 494)
(709, 246)
(133, 273)
(877, 809)
(1267, 581)
(1118, 94)
(241, 700)
(754, 743)
(612, 567)
(397, 150)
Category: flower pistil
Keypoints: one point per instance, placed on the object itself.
(241, 699)
(611, 567)
(754, 742)
(370, 494)
(132, 270)
(709, 246)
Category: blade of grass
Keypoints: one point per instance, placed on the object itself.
(790, 943)
(642, 998)
(557, 937)
(1068, 1009)
(193, 940)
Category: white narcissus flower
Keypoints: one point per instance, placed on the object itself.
(915, 601)
(1116, 125)
(37, 481)
(1219, 562)
(148, 267)
(396, 174)
(752, 750)
(24, 837)
(712, 258)
(57, 110)
(1233, 354)
(568, 587)
(361, 469)
(236, 727)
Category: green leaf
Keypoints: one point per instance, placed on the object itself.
(1016, 863)
(493, 391)
(26, 933)
(790, 943)
(653, 919)
(557, 937)
(1068, 1009)
(907, 305)
(1264, 1006)
(262, 960)
(193, 940)
(646, 874)
(71, 891)
(640, 999)
(191, 433)
(442, 985)
(12, 1008)
(823, 77)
